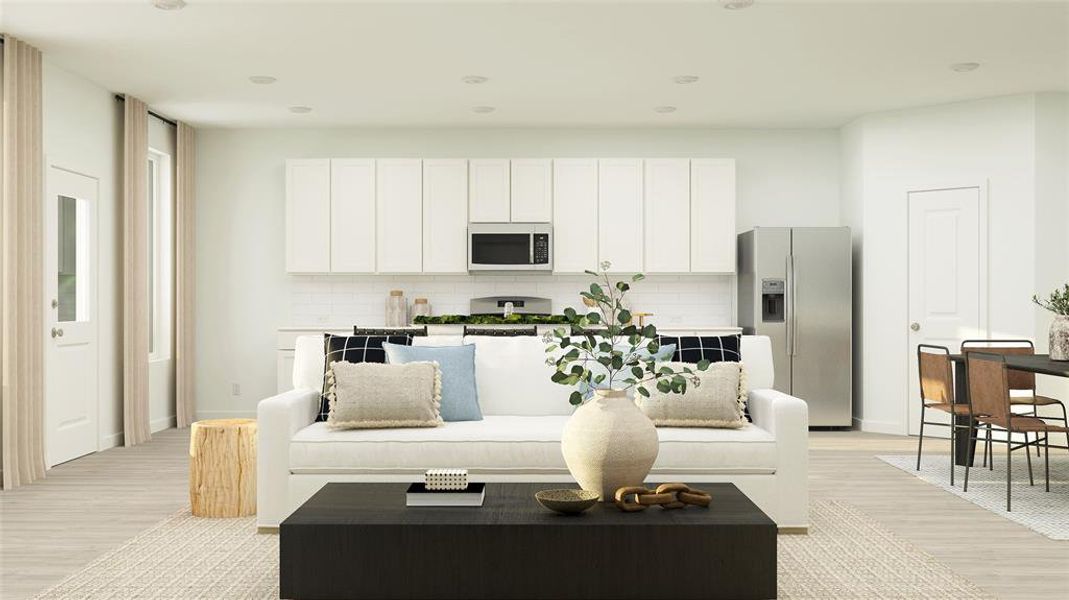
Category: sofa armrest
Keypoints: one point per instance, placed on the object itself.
(278, 418)
(787, 419)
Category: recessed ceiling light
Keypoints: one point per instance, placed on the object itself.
(300, 110)
(964, 67)
(169, 4)
(664, 109)
(473, 79)
(482, 110)
(736, 4)
(262, 79)
(685, 79)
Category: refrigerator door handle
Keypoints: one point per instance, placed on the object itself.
(794, 307)
(790, 305)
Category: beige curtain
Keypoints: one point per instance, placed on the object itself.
(185, 402)
(21, 264)
(135, 294)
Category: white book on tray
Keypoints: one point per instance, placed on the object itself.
(419, 495)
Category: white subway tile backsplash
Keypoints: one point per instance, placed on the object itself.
(688, 300)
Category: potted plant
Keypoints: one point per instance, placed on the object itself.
(1058, 303)
(609, 443)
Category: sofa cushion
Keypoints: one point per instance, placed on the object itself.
(511, 444)
(353, 349)
(514, 378)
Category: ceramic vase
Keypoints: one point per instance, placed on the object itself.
(609, 443)
(1059, 338)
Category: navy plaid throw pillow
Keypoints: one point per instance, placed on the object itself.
(717, 348)
(354, 349)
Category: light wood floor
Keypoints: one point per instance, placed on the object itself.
(88, 506)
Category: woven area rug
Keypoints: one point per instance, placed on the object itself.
(1044, 512)
(846, 555)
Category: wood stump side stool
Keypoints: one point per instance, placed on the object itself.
(222, 468)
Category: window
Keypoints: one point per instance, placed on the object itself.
(161, 255)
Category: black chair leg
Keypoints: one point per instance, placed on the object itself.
(920, 439)
(1028, 454)
(972, 442)
(990, 449)
(1009, 468)
(953, 436)
(1046, 461)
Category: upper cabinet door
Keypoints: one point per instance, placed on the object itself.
(667, 215)
(488, 199)
(575, 210)
(352, 216)
(308, 216)
(445, 216)
(620, 213)
(399, 202)
(712, 215)
(532, 190)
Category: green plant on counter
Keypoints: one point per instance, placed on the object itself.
(513, 319)
(1057, 303)
(603, 349)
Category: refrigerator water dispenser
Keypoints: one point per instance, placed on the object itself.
(772, 300)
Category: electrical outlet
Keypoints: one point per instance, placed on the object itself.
(235, 389)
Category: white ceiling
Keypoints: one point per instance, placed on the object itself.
(776, 64)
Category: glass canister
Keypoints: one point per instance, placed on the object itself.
(420, 308)
(396, 309)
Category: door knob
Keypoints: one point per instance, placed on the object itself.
(915, 326)
(57, 332)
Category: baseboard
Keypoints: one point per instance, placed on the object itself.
(887, 427)
(164, 423)
(267, 530)
(112, 440)
(794, 531)
(226, 414)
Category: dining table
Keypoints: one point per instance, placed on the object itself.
(1042, 364)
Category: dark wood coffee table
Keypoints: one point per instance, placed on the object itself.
(358, 540)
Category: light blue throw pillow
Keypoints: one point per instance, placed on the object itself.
(460, 396)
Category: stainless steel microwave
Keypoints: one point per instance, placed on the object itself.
(510, 247)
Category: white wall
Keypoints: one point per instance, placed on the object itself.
(991, 140)
(785, 177)
(82, 132)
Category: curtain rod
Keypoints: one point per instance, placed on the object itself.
(171, 122)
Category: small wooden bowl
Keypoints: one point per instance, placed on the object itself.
(568, 502)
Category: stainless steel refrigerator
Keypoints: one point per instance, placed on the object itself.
(795, 287)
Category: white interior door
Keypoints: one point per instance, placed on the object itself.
(947, 284)
(71, 391)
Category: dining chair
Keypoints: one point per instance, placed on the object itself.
(989, 397)
(1019, 381)
(937, 393)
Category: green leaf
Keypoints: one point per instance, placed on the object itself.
(703, 364)
(599, 378)
(617, 362)
(637, 277)
(649, 331)
(622, 286)
(637, 372)
(576, 398)
(664, 386)
(594, 318)
(596, 290)
(589, 272)
(569, 313)
(643, 391)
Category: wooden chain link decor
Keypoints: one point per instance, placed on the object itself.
(667, 496)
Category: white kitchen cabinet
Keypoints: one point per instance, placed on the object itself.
(667, 225)
(399, 204)
(575, 215)
(445, 216)
(352, 215)
(620, 228)
(712, 215)
(488, 193)
(308, 215)
(532, 190)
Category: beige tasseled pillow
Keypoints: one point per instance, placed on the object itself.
(720, 400)
(375, 395)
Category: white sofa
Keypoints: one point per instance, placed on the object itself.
(519, 437)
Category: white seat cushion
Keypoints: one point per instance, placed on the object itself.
(514, 444)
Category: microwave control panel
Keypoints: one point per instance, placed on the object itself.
(541, 248)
